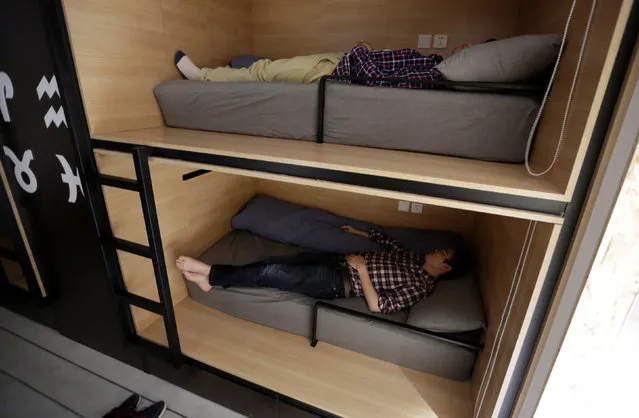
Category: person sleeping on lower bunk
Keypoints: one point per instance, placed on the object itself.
(390, 281)
(362, 61)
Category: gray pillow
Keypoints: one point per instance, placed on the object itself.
(244, 61)
(505, 61)
(318, 230)
(454, 306)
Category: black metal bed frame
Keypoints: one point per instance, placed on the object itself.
(439, 336)
(85, 146)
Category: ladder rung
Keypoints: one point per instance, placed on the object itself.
(119, 182)
(141, 302)
(132, 247)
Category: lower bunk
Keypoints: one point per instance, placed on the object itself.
(361, 367)
(333, 379)
(440, 335)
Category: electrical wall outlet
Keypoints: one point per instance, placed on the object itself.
(425, 41)
(403, 206)
(440, 41)
(416, 207)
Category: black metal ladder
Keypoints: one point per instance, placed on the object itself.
(153, 251)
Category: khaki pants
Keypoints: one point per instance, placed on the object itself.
(304, 69)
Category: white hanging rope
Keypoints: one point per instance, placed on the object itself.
(505, 315)
(564, 123)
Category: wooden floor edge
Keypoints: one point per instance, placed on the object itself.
(447, 389)
(126, 137)
(428, 200)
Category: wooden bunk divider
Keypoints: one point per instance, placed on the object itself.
(511, 257)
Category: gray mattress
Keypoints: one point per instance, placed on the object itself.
(483, 126)
(293, 313)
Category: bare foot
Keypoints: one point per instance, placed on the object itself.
(199, 279)
(194, 266)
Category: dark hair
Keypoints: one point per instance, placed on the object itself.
(460, 264)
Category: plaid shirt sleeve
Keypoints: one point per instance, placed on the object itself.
(401, 298)
(385, 241)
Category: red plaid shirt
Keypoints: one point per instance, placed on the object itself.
(397, 275)
(405, 64)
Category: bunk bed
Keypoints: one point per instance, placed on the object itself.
(191, 183)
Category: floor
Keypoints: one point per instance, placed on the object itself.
(333, 379)
(43, 374)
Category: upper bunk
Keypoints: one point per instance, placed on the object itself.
(123, 51)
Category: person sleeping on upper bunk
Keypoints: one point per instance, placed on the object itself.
(390, 281)
(362, 61)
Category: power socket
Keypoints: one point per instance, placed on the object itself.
(403, 206)
(440, 41)
(416, 207)
(425, 41)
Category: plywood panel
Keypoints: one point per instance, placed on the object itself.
(340, 381)
(283, 28)
(123, 49)
(378, 210)
(536, 17)
(498, 246)
(192, 216)
(14, 273)
(369, 191)
(23, 236)
(437, 169)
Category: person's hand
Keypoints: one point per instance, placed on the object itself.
(365, 44)
(349, 229)
(356, 261)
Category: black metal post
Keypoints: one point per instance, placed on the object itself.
(141, 161)
(321, 103)
(314, 329)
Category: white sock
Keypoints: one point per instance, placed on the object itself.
(187, 68)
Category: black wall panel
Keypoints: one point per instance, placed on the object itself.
(49, 186)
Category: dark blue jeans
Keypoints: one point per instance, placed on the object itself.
(315, 275)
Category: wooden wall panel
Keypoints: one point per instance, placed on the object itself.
(14, 273)
(123, 49)
(283, 28)
(192, 216)
(498, 243)
(378, 210)
(549, 16)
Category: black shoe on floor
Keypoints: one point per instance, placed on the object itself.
(128, 406)
(154, 411)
